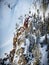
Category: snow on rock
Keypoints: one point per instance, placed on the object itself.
(42, 38)
(44, 55)
(26, 46)
(48, 36)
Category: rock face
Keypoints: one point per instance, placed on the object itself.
(31, 40)
(26, 41)
(22, 60)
